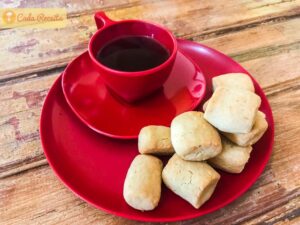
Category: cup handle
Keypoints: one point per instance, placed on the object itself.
(102, 20)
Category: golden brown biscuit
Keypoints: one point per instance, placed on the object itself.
(205, 105)
(193, 181)
(233, 81)
(233, 158)
(232, 111)
(259, 128)
(193, 138)
(155, 140)
(142, 187)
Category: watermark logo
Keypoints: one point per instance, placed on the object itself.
(33, 18)
(9, 16)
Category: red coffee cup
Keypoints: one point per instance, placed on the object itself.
(131, 86)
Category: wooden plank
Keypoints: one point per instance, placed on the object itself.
(19, 124)
(37, 50)
(277, 187)
(285, 214)
(73, 7)
(261, 54)
(21, 102)
(273, 70)
(238, 42)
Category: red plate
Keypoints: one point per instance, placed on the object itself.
(98, 109)
(94, 166)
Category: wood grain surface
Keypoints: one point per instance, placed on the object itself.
(263, 35)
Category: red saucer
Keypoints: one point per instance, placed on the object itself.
(94, 166)
(94, 104)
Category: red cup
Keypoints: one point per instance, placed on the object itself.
(131, 86)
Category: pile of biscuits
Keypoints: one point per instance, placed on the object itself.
(221, 137)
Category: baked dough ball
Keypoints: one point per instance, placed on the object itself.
(259, 128)
(142, 187)
(232, 111)
(155, 140)
(233, 81)
(193, 181)
(232, 159)
(205, 105)
(193, 138)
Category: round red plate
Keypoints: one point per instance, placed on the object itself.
(90, 100)
(94, 166)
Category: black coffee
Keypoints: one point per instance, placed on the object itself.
(132, 53)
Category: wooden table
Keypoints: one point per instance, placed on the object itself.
(262, 35)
